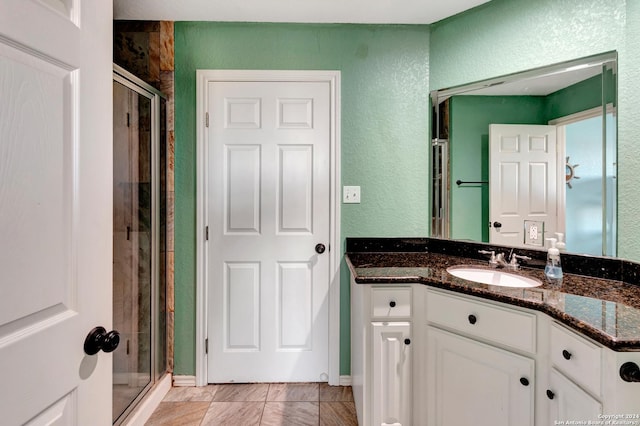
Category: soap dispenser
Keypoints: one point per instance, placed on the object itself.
(553, 270)
(560, 244)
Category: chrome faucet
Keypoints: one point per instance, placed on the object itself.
(513, 262)
(498, 260)
(493, 261)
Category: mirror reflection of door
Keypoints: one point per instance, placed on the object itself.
(536, 97)
(523, 181)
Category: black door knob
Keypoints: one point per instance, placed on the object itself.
(472, 319)
(392, 304)
(407, 341)
(320, 248)
(99, 338)
(524, 381)
(566, 354)
(550, 394)
(630, 372)
(497, 225)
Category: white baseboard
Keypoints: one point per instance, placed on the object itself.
(148, 405)
(345, 380)
(181, 381)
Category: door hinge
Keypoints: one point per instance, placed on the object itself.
(128, 120)
(206, 233)
(206, 119)
(206, 346)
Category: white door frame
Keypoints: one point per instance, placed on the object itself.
(203, 77)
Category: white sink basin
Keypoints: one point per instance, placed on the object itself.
(492, 277)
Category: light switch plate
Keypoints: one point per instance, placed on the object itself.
(351, 194)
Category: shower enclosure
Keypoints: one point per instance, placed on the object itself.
(139, 225)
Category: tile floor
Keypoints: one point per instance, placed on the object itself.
(275, 404)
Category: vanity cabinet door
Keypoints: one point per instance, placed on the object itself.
(391, 374)
(472, 383)
(567, 401)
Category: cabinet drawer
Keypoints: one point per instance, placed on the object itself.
(576, 357)
(480, 320)
(391, 302)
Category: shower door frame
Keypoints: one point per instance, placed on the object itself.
(130, 81)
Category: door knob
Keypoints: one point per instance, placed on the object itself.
(630, 372)
(497, 225)
(320, 248)
(99, 338)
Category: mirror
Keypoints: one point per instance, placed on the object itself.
(519, 159)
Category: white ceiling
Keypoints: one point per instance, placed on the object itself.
(302, 11)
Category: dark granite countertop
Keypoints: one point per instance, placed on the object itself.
(606, 310)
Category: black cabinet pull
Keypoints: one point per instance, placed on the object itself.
(566, 354)
(407, 341)
(472, 319)
(392, 303)
(550, 394)
(524, 381)
(630, 372)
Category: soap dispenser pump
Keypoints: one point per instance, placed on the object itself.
(561, 244)
(553, 270)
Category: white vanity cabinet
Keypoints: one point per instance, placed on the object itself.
(567, 401)
(382, 353)
(473, 376)
(575, 378)
(425, 356)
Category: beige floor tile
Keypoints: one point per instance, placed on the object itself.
(178, 414)
(241, 392)
(204, 393)
(335, 393)
(293, 392)
(338, 414)
(290, 414)
(233, 413)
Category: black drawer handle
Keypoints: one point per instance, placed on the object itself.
(392, 303)
(472, 319)
(524, 381)
(566, 354)
(550, 394)
(407, 341)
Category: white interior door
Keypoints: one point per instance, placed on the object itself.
(267, 208)
(522, 181)
(55, 210)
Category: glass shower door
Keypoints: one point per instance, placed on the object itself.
(133, 246)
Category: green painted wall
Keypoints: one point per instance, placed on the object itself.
(470, 117)
(385, 86)
(582, 96)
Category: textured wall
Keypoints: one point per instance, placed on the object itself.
(507, 36)
(629, 136)
(384, 131)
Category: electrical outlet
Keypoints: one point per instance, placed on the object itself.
(351, 194)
